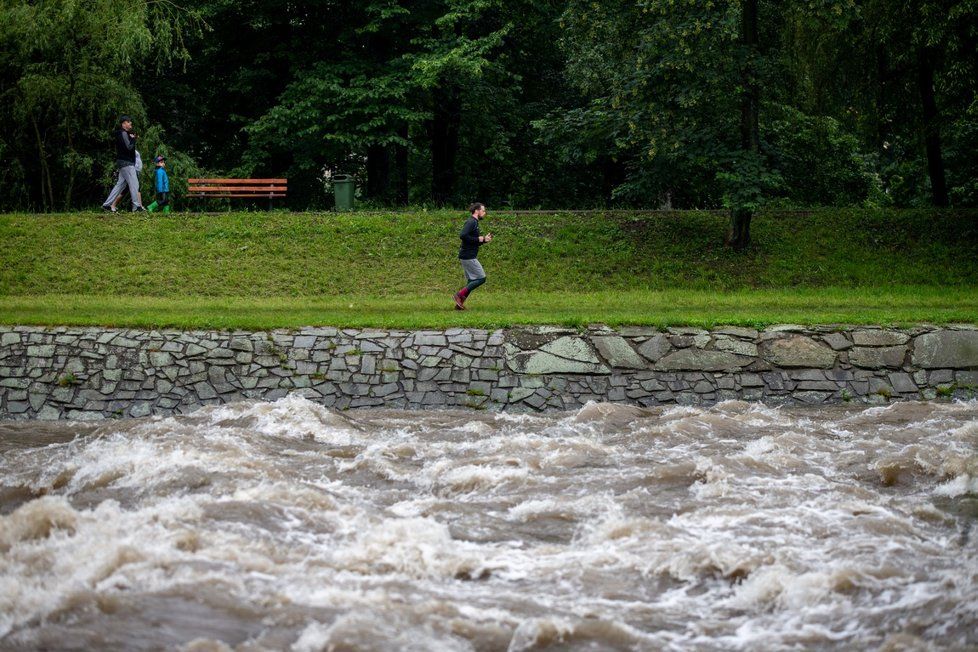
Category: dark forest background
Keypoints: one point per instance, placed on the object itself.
(519, 103)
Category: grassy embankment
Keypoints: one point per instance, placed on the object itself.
(265, 270)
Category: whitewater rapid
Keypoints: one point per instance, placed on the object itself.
(286, 526)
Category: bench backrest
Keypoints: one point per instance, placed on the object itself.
(255, 188)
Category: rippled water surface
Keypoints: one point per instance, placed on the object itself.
(283, 525)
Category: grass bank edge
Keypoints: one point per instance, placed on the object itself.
(898, 306)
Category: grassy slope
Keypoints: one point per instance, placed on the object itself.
(255, 270)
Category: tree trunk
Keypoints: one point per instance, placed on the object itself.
(378, 172)
(932, 134)
(401, 169)
(47, 190)
(739, 236)
(69, 103)
(750, 133)
(444, 143)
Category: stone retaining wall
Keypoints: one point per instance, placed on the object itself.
(86, 373)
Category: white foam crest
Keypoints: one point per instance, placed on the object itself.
(788, 632)
(414, 507)
(760, 447)
(123, 461)
(373, 459)
(413, 547)
(680, 412)
(962, 485)
(690, 559)
(206, 645)
(614, 413)
(780, 586)
(290, 495)
(376, 631)
(756, 415)
(522, 418)
(310, 590)
(715, 482)
(475, 428)
(158, 451)
(291, 417)
(540, 633)
(565, 508)
(966, 434)
(518, 442)
(54, 551)
(477, 477)
(314, 638)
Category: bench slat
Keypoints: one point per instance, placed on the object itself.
(238, 181)
(236, 189)
(263, 195)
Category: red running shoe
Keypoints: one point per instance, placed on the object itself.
(459, 301)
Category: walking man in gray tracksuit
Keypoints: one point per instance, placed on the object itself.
(125, 161)
(471, 241)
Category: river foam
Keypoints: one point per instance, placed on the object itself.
(285, 525)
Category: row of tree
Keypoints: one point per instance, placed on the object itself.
(573, 103)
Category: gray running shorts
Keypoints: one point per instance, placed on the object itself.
(472, 268)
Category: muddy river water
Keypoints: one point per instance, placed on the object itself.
(285, 526)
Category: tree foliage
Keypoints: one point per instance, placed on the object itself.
(530, 103)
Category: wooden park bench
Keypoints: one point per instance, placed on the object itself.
(239, 188)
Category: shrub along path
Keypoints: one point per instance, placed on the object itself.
(264, 270)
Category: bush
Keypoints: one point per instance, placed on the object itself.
(820, 163)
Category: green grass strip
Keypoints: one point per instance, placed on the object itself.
(494, 308)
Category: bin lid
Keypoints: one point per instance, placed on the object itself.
(341, 178)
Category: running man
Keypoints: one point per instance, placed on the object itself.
(467, 254)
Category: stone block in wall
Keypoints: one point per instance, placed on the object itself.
(902, 383)
(617, 352)
(816, 385)
(724, 343)
(955, 349)
(878, 357)
(701, 359)
(738, 331)
(878, 337)
(840, 375)
(807, 374)
(386, 389)
(798, 351)
(966, 378)
(564, 355)
(880, 386)
(812, 397)
(838, 341)
(779, 330)
(655, 347)
(775, 380)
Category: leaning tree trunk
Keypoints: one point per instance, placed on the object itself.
(47, 188)
(932, 134)
(750, 133)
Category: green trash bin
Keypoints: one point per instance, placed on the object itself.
(343, 188)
